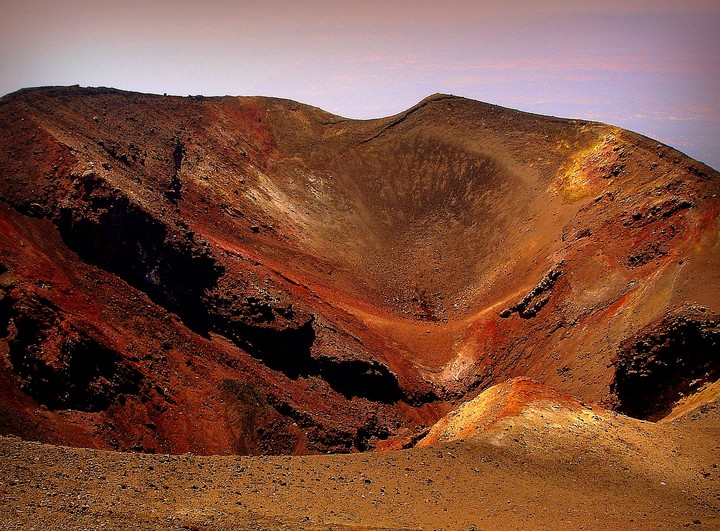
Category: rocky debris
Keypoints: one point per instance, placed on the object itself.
(426, 306)
(290, 350)
(578, 234)
(175, 187)
(233, 302)
(538, 297)
(403, 439)
(647, 253)
(665, 361)
(127, 156)
(284, 338)
(62, 363)
(663, 209)
(258, 427)
(168, 263)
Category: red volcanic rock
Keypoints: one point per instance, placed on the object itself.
(668, 359)
(253, 275)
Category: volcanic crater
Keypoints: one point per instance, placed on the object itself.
(237, 275)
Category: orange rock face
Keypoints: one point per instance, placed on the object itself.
(485, 413)
(252, 275)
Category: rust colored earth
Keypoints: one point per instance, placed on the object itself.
(255, 276)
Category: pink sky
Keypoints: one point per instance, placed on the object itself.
(653, 67)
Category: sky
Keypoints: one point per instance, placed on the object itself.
(649, 66)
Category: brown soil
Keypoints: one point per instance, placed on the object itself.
(554, 468)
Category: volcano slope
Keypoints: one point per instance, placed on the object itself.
(256, 276)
